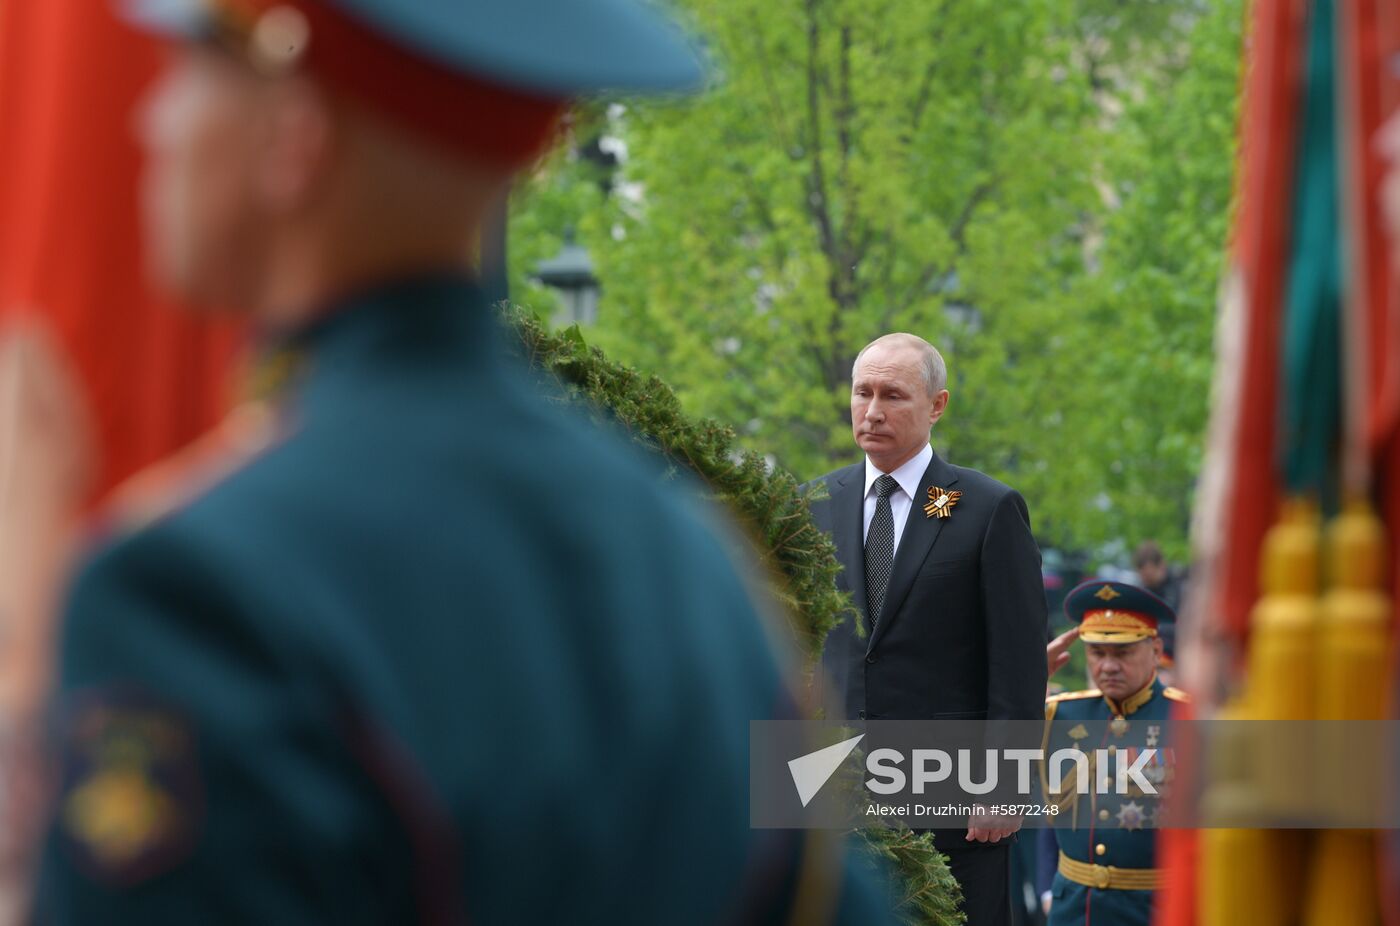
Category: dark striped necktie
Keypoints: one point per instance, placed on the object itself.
(879, 549)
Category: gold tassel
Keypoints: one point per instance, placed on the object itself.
(1252, 875)
(1353, 638)
(1282, 649)
(1246, 875)
(1352, 672)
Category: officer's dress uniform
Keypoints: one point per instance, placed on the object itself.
(438, 652)
(1106, 841)
(411, 642)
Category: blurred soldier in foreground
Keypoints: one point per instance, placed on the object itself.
(402, 642)
(1107, 841)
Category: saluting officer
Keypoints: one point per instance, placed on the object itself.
(1106, 835)
(403, 641)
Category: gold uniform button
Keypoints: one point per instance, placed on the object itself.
(1103, 814)
(1100, 849)
(1113, 750)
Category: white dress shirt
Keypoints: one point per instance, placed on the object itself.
(908, 476)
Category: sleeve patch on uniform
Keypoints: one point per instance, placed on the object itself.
(131, 800)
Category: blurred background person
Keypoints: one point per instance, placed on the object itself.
(1157, 575)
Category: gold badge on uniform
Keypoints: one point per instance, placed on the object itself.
(1078, 732)
(940, 502)
(131, 795)
(1107, 593)
(1119, 725)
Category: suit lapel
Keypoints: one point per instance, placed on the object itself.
(920, 532)
(848, 508)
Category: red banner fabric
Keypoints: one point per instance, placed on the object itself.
(71, 76)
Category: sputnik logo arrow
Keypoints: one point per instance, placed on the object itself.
(813, 770)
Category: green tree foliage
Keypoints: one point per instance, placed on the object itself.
(1040, 188)
(1172, 164)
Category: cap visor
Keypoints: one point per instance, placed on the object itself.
(1115, 636)
(180, 19)
(564, 49)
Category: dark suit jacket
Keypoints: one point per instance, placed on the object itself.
(964, 630)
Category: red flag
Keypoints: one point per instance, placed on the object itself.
(1369, 37)
(1240, 485)
(70, 77)
(1369, 41)
(1260, 260)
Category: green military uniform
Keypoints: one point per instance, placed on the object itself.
(411, 641)
(438, 652)
(1106, 839)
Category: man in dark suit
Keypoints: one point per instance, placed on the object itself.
(946, 576)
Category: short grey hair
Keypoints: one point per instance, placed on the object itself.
(935, 372)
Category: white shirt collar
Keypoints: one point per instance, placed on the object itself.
(908, 476)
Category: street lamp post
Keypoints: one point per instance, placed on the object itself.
(570, 273)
